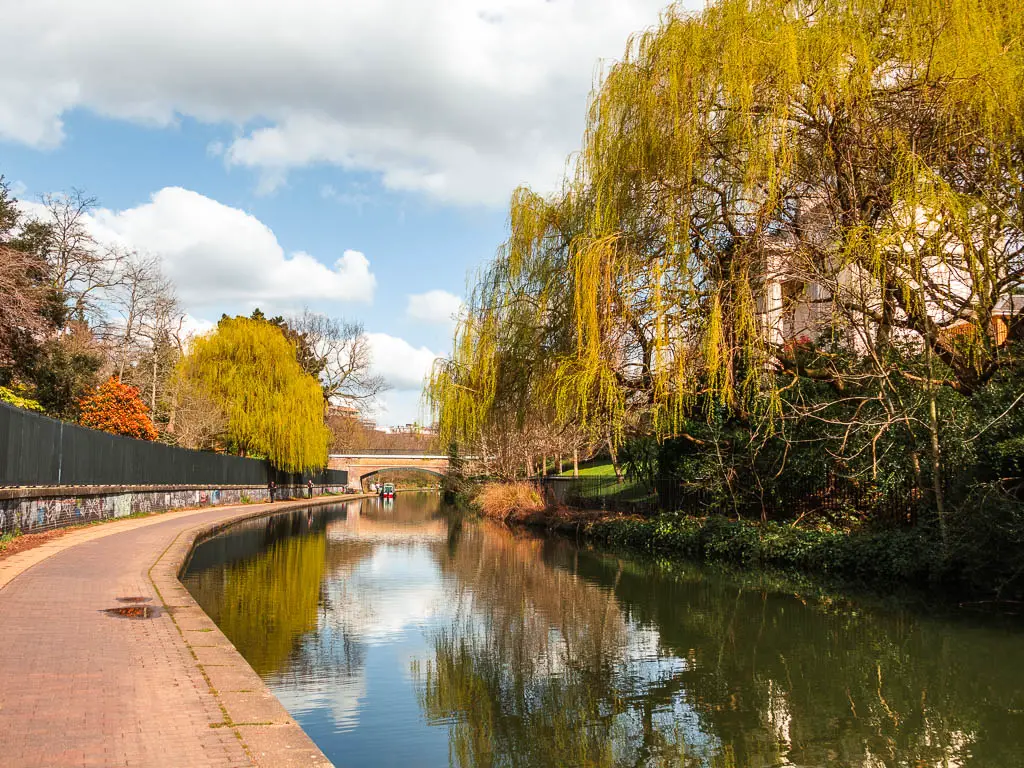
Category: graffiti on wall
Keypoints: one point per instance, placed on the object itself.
(33, 515)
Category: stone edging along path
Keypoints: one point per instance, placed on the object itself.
(243, 697)
(87, 689)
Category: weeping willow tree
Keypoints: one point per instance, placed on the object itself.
(274, 408)
(499, 381)
(872, 149)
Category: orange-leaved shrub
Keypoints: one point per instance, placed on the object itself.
(118, 408)
(502, 500)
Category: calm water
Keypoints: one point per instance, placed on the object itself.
(398, 636)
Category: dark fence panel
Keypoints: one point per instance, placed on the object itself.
(323, 477)
(28, 447)
(37, 450)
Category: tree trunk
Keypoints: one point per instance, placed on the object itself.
(171, 417)
(615, 459)
(560, 470)
(937, 469)
(152, 396)
(544, 465)
(915, 464)
(933, 419)
(575, 462)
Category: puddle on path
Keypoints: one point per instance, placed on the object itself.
(133, 612)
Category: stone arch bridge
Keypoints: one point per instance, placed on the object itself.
(362, 465)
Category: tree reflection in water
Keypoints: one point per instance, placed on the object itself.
(265, 603)
(540, 667)
(534, 652)
(564, 656)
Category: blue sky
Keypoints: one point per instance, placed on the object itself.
(251, 145)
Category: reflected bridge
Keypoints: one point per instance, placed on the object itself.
(362, 464)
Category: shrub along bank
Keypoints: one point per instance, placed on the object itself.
(881, 559)
(973, 565)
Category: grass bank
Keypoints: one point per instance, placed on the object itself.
(598, 468)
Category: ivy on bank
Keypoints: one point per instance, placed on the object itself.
(880, 559)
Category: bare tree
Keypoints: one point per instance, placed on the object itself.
(22, 280)
(349, 432)
(80, 268)
(20, 297)
(339, 354)
(196, 421)
(161, 330)
(140, 307)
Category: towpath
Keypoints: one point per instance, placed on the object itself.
(81, 687)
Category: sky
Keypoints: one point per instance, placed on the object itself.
(354, 158)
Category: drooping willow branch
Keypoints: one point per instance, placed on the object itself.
(872, 148)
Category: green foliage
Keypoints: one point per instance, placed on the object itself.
(890, 558)
(47, 360)
(11, 397)
(7, 537)
(987, 540)
(311, 363)
(455, 486)
(65, 369)
(639, 457)
(274, 408)
(637, 286)
(738, 471)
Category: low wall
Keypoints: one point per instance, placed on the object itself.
(31, 510)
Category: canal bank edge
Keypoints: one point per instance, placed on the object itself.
(267, 732)
(879, 561)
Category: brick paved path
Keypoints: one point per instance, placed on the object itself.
(81, 688)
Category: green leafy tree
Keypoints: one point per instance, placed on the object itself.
(64, 369)
(274, 408)
(304, 353)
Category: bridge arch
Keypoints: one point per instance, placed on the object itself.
(360, 466)
(369, 476)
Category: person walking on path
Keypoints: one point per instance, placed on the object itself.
(309, 484)
(271, 488)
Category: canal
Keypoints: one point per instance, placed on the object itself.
(399, 634)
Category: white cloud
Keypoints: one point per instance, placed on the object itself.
(221, 257)
(397, 407)
(459, 99)
(403, 366)
(434, 307)
(195, 326)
